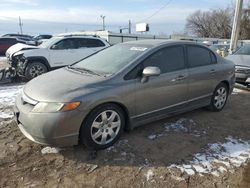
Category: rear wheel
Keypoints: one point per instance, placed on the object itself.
(219, 97)
(35, 69)
(103, 127)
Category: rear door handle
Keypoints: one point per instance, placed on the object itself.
(179, 78)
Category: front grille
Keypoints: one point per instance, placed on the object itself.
(242, 70)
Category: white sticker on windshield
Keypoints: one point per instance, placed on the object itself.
(138, 49)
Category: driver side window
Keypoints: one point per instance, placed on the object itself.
(168, 59)
(64, 44)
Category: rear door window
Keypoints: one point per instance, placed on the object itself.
(93, 43)
(199, 56)
(65, 44)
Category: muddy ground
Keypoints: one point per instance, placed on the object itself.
(136, 160)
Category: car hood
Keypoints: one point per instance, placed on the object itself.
(240, 60)
(18, 47)
(63, 85)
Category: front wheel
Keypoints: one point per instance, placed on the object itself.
(103, 127)
(35, 69)
(219, 98)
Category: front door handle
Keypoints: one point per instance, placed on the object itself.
(212, 71)
(179, 78)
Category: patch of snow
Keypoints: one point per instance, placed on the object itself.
(236, 91)
(149, 174)
(182, 125)
(177, 178)
(3, 58)
(48, 149)
(218, 158)
(8, 94)
(6, 114)
(7, 100)
(178, 126)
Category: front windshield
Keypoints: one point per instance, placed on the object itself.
(112, 59)
(49, 42)
(244, 50)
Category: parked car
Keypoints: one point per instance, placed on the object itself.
(31, 61)
(6, 42)
(121, 87)
(221, 49)
(17, 35)
(41, 38)
(26, 38)
(241, 58)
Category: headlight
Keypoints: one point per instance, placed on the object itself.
(43, 107)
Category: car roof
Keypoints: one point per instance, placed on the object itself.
(157, 42)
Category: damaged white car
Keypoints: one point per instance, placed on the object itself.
(32, 61)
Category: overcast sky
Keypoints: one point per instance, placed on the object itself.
(47, 16)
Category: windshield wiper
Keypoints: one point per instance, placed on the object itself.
(84, 70)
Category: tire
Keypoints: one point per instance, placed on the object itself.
(219, 98)
(35, 69)
(96, 130)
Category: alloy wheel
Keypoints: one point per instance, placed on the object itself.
(220, 98)
(105, 127)
(36, 70)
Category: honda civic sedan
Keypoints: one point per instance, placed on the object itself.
(94, 100)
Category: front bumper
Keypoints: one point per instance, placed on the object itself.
(56, 129)
(242, 78)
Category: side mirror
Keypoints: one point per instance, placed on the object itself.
(148, 72)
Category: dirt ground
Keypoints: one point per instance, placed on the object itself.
(135, 161)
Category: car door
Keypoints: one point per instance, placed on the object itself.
(161, 94)
(202, 68)
(63, 52)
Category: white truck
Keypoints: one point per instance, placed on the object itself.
(31, 61)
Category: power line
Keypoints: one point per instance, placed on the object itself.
(157, 11)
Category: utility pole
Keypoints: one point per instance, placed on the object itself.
(236, 26)
(20, 25)
(129, 27)
(103, 22)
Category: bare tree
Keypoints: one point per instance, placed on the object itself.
(213, 23)
(245, 24)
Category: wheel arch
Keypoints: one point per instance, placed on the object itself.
(40, 59)
(127, 126)
(227, 84)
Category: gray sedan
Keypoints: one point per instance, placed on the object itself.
(241, 58)
(93, 101)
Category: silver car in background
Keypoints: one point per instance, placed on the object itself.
(241, 58)
(130, 84)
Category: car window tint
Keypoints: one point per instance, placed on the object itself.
(65, 44)
(213, 57)
(198, 56)
(92, 43)
(135, 72)
(168, 59)
(8, 41)
(82, 42)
